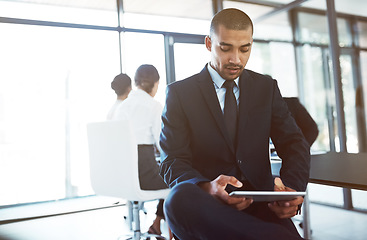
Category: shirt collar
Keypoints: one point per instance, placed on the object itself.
(217, 79)
(141, 92)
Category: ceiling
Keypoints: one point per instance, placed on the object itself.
(353, 7)
(203, 8)
(200, 9)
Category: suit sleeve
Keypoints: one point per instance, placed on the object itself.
(176, 166)
(290, 145)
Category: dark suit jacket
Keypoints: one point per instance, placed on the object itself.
(303, 119)
(196, 146)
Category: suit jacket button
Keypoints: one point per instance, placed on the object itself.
(239, 161)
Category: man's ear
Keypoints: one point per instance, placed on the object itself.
(208, 43)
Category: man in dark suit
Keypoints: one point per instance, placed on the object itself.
(206, 156)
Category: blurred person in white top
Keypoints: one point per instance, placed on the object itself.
(144, 113)
(121, 84)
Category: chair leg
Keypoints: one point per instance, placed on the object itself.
(141, 207)
(136, 220)
(136, 224)
(306, 218)
(129, 219)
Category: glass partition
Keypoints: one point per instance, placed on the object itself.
(314, 29)
(349, 96)
(189, 59)
(188, 9)
(166, 23)
(319, 99)
(325, 194)
(318, 95)
(265, 59)
(276, 27)
(252, 10)
(362, 34)
(344, 32)
(359, 199)
(363, 59)
(92, 12)
(183, 16)
(319, 84)
(53, 81)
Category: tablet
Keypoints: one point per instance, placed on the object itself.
(267, 196)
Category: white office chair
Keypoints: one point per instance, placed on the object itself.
(113, 157)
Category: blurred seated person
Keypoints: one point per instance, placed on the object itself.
(121, 84)
(144, 113)
(303, 119)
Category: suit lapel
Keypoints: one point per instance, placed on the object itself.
(207, 88)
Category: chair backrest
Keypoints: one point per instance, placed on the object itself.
(113, 155)
(113, 159)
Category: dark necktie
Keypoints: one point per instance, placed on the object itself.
(230, 110)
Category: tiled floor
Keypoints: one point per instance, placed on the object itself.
(337, 224)
(327, 223)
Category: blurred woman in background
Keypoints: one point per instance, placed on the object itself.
(144, 113)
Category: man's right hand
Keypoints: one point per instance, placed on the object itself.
(216, 188)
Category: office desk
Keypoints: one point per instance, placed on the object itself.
(347, 170)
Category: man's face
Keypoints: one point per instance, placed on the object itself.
(230, 51)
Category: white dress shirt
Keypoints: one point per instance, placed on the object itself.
(218, 82)
(112, 111)
(144, 113)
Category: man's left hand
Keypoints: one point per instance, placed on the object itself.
(285, 209)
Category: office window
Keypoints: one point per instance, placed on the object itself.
(53, 81)
(318, 95)
(166, 23)
(314, 29)
(189, 59)
(265, 59)
(144, 48)
(344, 32)
(362, 34)
(359, 199)
(252, 10)
(194, 9)
(183, 16)
(349, 97)
(92, 12)
(325, 194)
(276, 27)
(363, 59)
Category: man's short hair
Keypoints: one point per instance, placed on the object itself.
(121, 84)
(232, 19)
